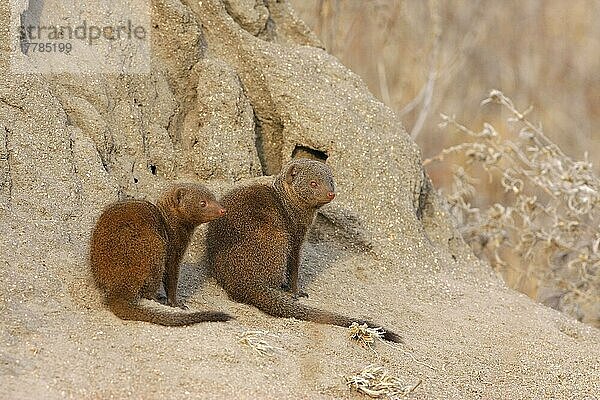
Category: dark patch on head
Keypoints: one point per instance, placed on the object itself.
(153, 169)
(307, 152)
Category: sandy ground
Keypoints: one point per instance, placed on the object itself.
(224, 102)
(466, 335)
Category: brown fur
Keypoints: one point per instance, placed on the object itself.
(255, 249)
(135, 245)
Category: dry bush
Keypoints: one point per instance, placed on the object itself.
(543, 236)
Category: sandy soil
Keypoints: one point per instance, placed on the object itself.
(229, 103)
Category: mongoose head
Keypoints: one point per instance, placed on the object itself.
(307, 182)
(193, 204)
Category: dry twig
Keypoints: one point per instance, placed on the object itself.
(254, 340)
(377, 382)
(364, 335)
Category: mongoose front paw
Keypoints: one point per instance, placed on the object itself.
(295, 294)
(178, 304)
(161, 298)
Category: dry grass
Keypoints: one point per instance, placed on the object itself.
(543, 235)
(365, 336)
(378, 382)
(255, 340)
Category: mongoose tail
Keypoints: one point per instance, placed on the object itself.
(135, 311)
(280, 304)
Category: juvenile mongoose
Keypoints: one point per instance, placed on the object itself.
(135, 245)
(254, 249)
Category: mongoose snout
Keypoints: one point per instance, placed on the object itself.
(214, 210)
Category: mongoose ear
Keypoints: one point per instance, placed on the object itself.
(290, 173)
(178, 196)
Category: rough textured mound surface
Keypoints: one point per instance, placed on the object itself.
(235, 87)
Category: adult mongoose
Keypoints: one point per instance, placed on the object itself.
(254, 250)
(135, 245)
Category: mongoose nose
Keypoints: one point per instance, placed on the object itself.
(331, 195)
(222, 211)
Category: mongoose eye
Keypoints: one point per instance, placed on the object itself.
(313, 184)
(202, 204)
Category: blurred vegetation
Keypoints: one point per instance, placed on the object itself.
(543, 236)
(428, 58)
